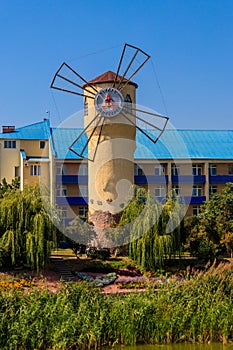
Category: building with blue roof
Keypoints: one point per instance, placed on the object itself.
(193, 163)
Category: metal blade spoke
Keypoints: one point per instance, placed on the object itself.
(119, 65)
(98, 141)
(150, 113)
(75, 84)
(144, 132)
(123, 83)
(84, 130)
(58, 75)
(72, 92)
(89, 138)
(78, 75)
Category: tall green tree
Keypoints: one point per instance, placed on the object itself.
(216, 219)
(27, 233)
(211, 232)
(153, 229)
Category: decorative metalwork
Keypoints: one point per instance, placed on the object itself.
(109, 101)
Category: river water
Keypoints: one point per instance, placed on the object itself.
(181, 346)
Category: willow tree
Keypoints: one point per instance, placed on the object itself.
(154, 229)
(26, 230)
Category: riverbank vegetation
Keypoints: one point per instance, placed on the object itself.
(79, 316)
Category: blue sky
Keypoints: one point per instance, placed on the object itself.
(190, 42)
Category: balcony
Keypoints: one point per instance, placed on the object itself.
(71, 200)
(150, 179)
(71, 179)
(193, 199)
(220, 179)
(188, 179)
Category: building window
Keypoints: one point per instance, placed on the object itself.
(83, 169)
(35, 170)
(160, 191)
(230, 169)
(82, 211)
(42, 144)
(128, 104)
(83, 190)
(159, 169)
(196, 209)
(197, 191)
(60, 169)
(213, 169)
(61, 191)
(9, 144)
(213, 189)
(85, 108)
(176, 189)
(175, 170)
(138, 170)
(197, 169)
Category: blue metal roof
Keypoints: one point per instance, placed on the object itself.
(173, 144)
(36, 131)
(194, 144)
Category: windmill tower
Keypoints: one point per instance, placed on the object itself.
(111, 118)
(111, 173)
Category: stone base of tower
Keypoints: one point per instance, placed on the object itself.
(102, 219)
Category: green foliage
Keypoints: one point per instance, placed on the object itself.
(152, 229)
(102, 254)
(211, 233)
(80, 317)
(26, 231)
(6, 188)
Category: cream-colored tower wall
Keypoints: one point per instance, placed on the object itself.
(111, 173)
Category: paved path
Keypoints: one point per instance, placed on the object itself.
(60, 265)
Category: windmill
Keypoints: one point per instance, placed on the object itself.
(111, 118)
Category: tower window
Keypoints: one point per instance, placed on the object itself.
(85, 107)
(128, 104)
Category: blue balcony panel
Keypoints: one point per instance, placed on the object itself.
(220, 179)
(193, 199)
(188, 179)
(150, 179)
(71, 179)
(71, 200)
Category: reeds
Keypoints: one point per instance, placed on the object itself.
(80, 317)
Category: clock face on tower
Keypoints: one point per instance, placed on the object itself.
(109, 102)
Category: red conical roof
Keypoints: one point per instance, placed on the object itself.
(109, 77)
